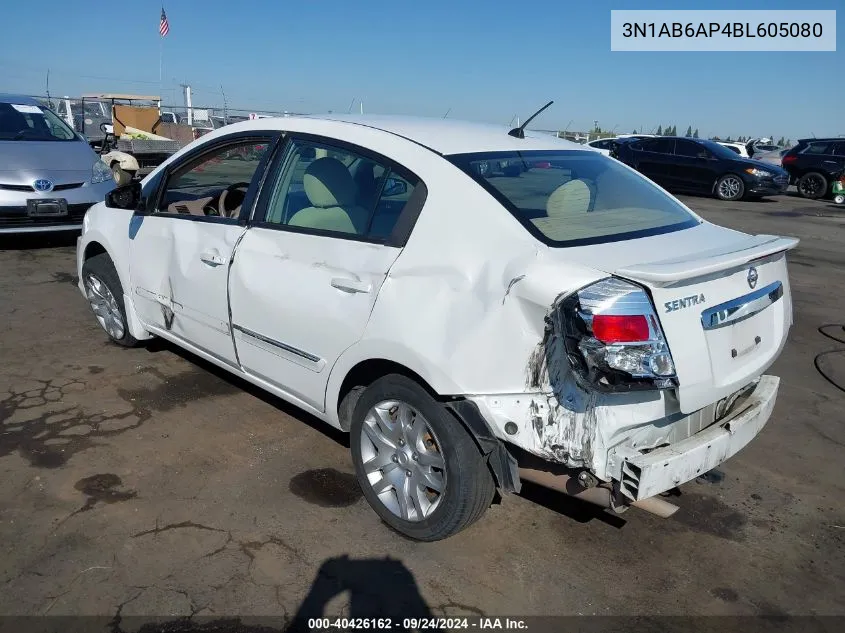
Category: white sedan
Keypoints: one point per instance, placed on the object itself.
(568, 323)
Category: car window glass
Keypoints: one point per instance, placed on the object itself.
(214, 185)
(331, 189)
(818, 148)
(572, 196)
(689, 149)
(658, 145)
(25, 122)
(839, 149)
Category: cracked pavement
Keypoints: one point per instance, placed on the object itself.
(140, 484)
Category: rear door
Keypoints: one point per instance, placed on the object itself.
(726, 313)
(307, 273)
(838, 159)
(655, 160)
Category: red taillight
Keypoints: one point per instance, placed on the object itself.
(617, 328)
(788, 159)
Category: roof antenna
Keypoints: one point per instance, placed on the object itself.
(519, 132)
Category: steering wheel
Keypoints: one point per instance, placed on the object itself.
(221, 202)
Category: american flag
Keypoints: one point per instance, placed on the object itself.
(164, 25)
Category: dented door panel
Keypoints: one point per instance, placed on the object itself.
(298, 301)
(179, 274)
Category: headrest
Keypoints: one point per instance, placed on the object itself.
(328, 184)
(571, 198)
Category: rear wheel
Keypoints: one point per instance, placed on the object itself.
(839, 198)
(730, 187)
(417, 465)
(812, 185)
(105, 295)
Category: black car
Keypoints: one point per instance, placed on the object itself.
(699, 166)
(814, 163)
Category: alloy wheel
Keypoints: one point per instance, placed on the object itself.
(403, 460)
(104, 306)
(729, 187)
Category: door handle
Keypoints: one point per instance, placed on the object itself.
(351, 285)
(212, 258)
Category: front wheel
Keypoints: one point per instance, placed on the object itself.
(812, 185)
(418, 467)
(105, 295)
(839, 198)
(730, 187)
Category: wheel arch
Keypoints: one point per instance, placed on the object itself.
(347, 384)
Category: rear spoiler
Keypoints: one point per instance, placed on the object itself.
(716, 260)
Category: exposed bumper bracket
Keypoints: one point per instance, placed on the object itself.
(502, 464)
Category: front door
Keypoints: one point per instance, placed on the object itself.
(307, 273)
(180, 253)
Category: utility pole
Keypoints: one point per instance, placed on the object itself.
(447, 113)
(225, 106)
(188, 104)
(349, 111)
(48, 88)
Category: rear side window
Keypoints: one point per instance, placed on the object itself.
(572, 198)
(659, 145)
(331, 189)
(839, 149)
(690, 149)
(819, 148)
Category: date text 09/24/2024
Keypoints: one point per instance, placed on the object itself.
(414, 624)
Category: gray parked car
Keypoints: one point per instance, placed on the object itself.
(49, 175)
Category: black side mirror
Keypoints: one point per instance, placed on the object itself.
(125, 197)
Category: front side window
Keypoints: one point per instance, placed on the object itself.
(328, 188)
(214, 185)
(23, 122)
(572, 197)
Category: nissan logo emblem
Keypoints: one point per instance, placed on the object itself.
(752, 277)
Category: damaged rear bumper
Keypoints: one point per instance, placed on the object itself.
(649, 474)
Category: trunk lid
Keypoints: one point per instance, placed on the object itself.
(726, 314)
(725, 308)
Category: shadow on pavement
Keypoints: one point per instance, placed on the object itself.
(377, 589)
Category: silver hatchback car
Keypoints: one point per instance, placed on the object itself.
(49, 175)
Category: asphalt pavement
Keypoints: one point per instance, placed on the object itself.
(144, 482)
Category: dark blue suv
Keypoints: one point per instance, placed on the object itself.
(699, 166)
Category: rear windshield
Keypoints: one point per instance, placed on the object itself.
(23, 122)
(575, 197)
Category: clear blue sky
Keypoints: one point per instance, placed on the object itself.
(487, 61)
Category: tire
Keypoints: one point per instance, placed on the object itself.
(467, 486)
(839, 198)
(730, 187)
(812, 185)
(120, 177)
(105, 296)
